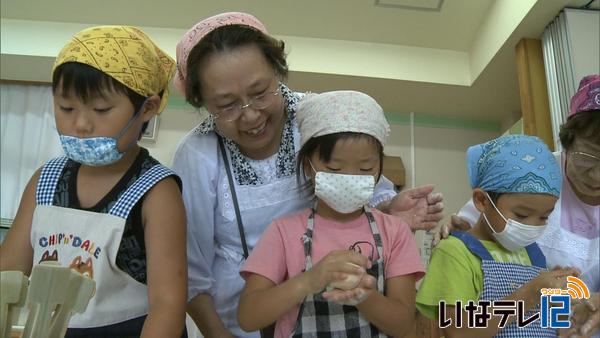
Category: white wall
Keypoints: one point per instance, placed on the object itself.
(439, 158)
(173, 125)
(583, 27)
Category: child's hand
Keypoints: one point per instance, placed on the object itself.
(335, 268)
(555, 279)
(354, 296)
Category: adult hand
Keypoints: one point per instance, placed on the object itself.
(354, 296)
(585, 321)
(419, 207)
(592, 324)
(443, 231)
(335, 267)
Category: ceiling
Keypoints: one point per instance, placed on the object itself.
(356, 20)
(449, 58)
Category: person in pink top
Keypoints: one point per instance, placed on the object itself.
(338, 268)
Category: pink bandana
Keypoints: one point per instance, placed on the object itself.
(587, 96)
(192, 37)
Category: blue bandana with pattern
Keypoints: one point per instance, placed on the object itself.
(514, 164)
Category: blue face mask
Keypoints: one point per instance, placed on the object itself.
(96, 151)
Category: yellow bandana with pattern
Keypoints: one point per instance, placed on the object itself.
(124, 53)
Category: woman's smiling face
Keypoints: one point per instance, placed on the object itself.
(235, 78)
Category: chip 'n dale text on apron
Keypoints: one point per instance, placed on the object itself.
(88, 242)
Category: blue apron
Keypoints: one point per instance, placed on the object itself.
(502, 279)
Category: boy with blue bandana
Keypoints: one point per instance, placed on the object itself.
(516, 183)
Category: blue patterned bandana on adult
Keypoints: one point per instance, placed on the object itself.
(514, 164)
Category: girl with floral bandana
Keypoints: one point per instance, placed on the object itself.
(107, 208)
(302, 274)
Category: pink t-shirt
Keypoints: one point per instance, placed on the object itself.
(279, 254)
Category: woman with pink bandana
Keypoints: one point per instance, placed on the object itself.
(238, 166)
(572, 238)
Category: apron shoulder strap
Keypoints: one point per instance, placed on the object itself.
(49, 176)
(536, 255)
(474, 245)
(238, 215)
(138, 189)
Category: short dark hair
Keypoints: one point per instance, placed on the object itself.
(228, 38)
(584, 125)
(494, 196)
(324, 145)
(86, 82)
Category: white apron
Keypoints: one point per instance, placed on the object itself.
(258, 205)
(564, 244)
(88, 242)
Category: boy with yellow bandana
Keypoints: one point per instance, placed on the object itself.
(108, 192)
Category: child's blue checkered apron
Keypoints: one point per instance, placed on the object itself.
(502, 279)
(89, 241)
(318, 317)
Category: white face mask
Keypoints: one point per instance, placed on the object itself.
(344, 193)
(515, 235)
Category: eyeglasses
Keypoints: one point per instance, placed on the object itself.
(584, 161)
(233, 111)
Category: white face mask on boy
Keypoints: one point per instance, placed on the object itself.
(515, 235)
(344, 193)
